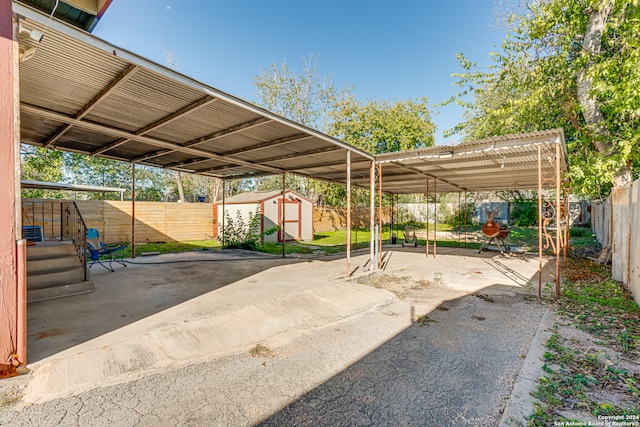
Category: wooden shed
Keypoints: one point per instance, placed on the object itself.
(298, 213)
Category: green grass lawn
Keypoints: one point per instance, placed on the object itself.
(173, 247)
(331, 242)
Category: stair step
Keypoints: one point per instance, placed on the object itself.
(45, 265)
(60, 291)
(54, 278)
(50, 249)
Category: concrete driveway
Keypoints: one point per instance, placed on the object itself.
(165, 318)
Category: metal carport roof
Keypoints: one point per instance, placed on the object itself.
(508, 162)
(81, 94)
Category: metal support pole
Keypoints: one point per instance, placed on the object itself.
(426, 220)
(540, 219)
(133, 210)
(459, 218)
(558, 222)
(380, 216)
(348, 213)
(465, 218)
(224, 191)
(372, 212)
(435, 217)
(284, 208)
(629, 232)
(392, 213)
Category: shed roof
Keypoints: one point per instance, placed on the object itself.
(253, 196)
(261, 196)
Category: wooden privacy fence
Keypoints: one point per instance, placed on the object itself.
(162, 222)
(332, 219)
(616, 223)
(155, 221)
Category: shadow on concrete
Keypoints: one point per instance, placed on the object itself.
(455, 368)
(127, 295)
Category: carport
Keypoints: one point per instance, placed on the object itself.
(79, 93)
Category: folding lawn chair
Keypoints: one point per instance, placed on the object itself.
(111, 253)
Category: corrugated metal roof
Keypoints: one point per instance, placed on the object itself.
(508, 162)
(43, 185)
(81, 94)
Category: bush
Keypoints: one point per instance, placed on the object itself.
(452, 217)
(524, 214)
(579, 231)
(240, 235)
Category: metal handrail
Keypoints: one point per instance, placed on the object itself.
(73, 227)
(63, 224)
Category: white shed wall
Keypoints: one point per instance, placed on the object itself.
(307, 220)
(270, 218)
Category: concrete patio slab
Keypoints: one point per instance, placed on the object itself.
(175, 310)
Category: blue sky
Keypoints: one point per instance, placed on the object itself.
(391, 50)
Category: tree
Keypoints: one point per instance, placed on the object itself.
(570, 64)
(307, 98)
(98, 171)
(304, 97)
(41, 164)
(172, 62)
(383, 127)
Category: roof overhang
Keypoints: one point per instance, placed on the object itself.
(81, 94)
(42, 185)
(508, 162)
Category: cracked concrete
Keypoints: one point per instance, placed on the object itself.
(371, 366)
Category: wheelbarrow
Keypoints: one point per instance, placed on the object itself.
(410, 237)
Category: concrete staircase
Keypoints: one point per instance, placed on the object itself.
(54, 271)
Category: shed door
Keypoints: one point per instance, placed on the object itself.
(292, 220)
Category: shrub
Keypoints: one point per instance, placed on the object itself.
(239, 234)
(524, 214)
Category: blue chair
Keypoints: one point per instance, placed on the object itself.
(97, 249)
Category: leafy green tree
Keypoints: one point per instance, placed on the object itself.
(307, 98)
(383, 127)
(570, 64)
(41, 164)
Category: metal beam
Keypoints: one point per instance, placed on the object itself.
(211, 137)
(268, 144)
(278, 158)
(419, 172)
(260, 146)
(305, 154)
(107, 130)
(372, 214)
(159, 123)
(123, 77)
